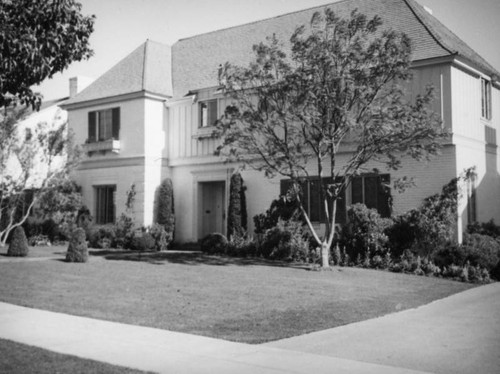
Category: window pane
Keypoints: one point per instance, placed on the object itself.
(105, 204)
(212, 112)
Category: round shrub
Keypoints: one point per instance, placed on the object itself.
(18, 244)
(476, 249)
(161, 237)
(102, 237)
(77, 248)
(146, 242)
(364, 234)
(214, 243)
(286, 241)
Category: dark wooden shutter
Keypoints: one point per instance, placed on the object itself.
(384, 200)
(92, 123)
(357, 190)
(371, 188)
(115, 118)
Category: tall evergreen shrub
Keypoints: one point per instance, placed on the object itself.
(164, 206)
(18, 244)
(77, 248)
(237, 212)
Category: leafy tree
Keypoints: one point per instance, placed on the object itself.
(37, 40)
(336, 103)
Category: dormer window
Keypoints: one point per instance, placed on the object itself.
(104, 125)
(208, 113)
(485, 99)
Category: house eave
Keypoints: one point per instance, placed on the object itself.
(114, 99)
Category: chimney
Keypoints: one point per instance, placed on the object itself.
(77, 84)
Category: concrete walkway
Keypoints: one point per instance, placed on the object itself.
(163, 351)
(458, 334)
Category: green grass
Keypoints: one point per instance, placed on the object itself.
(250, 301)
(24, 359)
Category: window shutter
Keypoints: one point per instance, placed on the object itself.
(372, 185)
(384, 196)
(92, 123)
(212, 112)
(357, 190)
(115, 118)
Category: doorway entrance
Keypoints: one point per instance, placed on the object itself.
(212, 208)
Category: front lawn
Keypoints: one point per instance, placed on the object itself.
(22, 359)
(242, 300)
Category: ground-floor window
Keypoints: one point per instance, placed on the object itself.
(105, 204)
(369, 189)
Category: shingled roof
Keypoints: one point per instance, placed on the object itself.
(195, 60)
(146, 69)
(192, 63)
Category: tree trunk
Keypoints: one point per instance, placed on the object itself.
(325, 255)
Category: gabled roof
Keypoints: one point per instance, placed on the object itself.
(146, 69)
(195, 60)
(192, 63)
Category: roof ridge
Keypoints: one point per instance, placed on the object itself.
(412, 5)
(144, 64)
(329, 3)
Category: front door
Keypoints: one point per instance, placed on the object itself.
(213, 208)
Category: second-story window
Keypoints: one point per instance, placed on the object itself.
(104, 125)
(485, 99)
(208, 113)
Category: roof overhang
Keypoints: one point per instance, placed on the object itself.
(115, 99)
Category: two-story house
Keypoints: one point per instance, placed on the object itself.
(151, 116)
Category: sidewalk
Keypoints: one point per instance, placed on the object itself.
(163, 351)
(458, 334)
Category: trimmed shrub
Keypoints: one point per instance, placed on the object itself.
(77, 248)
(161, 237)
(429, 227)
(18, 246)
(101, 236)
(124, 231)
(281, 208)
(240, 245)
(214, 243)
(286, 241)
(145, 242)
(164, 206)
(485, 228)
(236, 219)
(364, 234)
(476, 249)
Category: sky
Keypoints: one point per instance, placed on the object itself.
(123, 25)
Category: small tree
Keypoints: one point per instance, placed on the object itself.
(19, 244)
(236, 220)
(340, 92)
(31, 160)
(164, 206)
(77, 248)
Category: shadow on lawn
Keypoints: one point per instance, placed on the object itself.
(190, 258)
